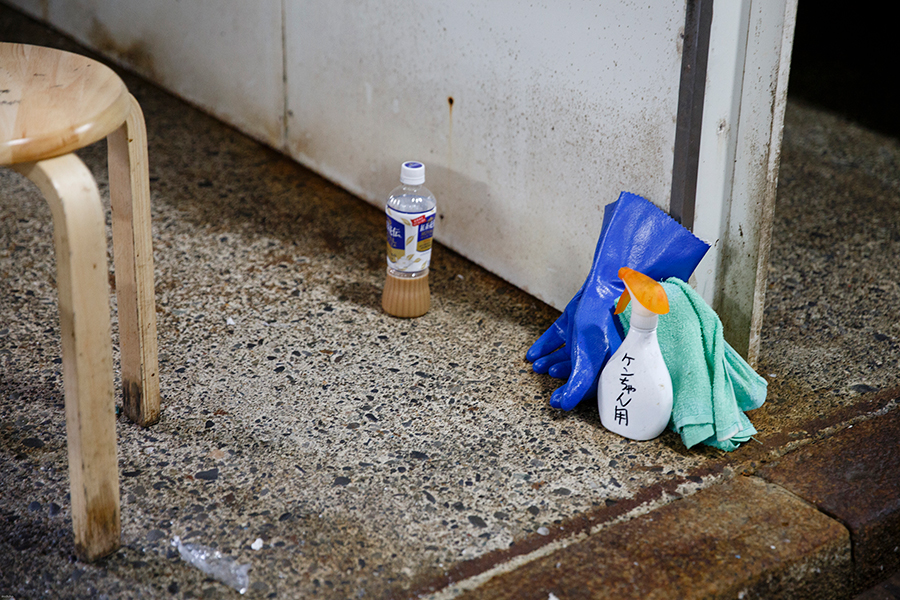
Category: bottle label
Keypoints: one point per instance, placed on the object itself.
(409, 238)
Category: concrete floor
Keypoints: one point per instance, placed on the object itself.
(377, 457)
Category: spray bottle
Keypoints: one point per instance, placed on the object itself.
(635, 390)
(410, 212)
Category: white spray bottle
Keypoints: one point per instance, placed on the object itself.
(635, 390)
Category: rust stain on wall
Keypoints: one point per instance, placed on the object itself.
(136, 55)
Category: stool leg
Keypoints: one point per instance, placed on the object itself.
(129, 189)
(79, 234)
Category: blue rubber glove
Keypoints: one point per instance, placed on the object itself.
(549, 352)
(635, 234)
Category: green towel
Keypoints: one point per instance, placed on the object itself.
(712, 384)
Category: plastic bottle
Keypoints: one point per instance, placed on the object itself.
(634, 393)
(215, 564)
(410, 211)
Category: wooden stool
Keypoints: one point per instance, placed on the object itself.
(51, 104)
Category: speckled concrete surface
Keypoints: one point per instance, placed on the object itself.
(833, 301)
(831, 334)
(374, 457)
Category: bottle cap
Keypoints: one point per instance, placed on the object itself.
(412, 173)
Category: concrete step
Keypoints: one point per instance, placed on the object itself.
(742, 539)
(822, 521)
(853, 477)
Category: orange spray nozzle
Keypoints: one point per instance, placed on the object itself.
(649, 293)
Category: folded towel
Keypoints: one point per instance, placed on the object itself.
(712, 384)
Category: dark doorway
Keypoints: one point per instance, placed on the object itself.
(845, 60)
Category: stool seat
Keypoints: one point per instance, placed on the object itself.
(53, 102)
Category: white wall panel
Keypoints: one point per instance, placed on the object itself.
(557, 107)
(740, 153)
(222, 55)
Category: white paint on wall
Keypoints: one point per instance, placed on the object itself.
(556, 108)
(742, 276)
(743, 117)
(224, 56)
(718, 136)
